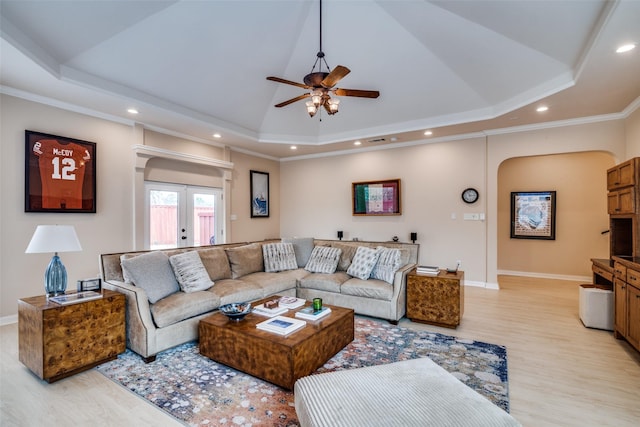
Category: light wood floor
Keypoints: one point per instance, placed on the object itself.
(560, 373)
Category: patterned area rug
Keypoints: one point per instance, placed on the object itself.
(200, 392)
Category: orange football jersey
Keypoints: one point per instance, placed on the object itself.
(62, 169)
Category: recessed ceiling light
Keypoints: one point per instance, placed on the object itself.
(428, 133)
(357, 143)
(293, 147)
(626, 48)
(132, 111)
(217, 135)
(542, 109)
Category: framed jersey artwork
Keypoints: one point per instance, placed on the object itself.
(60, 174)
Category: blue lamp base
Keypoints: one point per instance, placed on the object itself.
(55, 277)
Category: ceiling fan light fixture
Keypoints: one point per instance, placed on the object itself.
(311, 108)
(316, 97)
(334, 104)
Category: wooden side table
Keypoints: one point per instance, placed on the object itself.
(56, 341)
(438, 300)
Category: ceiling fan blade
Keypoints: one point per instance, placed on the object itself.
(288, 82)
(358, 93)
(292, 100)
(335, 76)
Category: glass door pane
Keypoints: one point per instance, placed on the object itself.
(163, 219)
(203, 217)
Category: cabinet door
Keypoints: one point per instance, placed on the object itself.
(620, 295)
(621, 201)
(622, 175)
(633, 310)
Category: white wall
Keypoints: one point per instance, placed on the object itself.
(632, 135)
(316, 193)
(317, 200)
(309, 197)
(107, 230)
(111, 228)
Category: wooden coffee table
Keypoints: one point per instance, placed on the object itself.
(269, 356)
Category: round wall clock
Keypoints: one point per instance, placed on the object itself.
(470, 195)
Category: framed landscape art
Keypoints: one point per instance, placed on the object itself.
(60, 174)
(376, 197)
(533, 215)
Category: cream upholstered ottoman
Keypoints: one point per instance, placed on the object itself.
(415, 392)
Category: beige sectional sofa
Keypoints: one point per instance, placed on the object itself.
(164, 308)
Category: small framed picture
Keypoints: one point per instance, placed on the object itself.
(533, 215)
(90, 285)
(259, 194)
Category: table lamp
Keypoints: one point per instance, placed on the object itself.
(54, 238)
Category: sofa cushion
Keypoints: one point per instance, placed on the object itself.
(371, 288)
(325, 282)
(278, 257)
(216, 262)
(234, 290)
(363, 262)
(273, 283)
(387, 265)
(179, 306)
(190, 272)
(153, 273)
(302, 246)
(324, 259)
(245, 259)
(346, 256)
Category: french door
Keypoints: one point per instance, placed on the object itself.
(182, 215)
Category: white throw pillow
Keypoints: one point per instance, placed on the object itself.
(324, 259)
(387, 265)
(153, 273)
(363, 262)
(279, 257)
(190, 272)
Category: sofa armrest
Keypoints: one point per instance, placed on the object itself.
(139, 324)
(399, 289)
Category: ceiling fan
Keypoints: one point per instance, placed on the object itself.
(321, 85)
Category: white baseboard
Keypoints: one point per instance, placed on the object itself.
(7, 320)
(587, 279)
(482, 284)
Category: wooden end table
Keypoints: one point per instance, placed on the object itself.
(281, 360)
(56, 341)
(438, 300)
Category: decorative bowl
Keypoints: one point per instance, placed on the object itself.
(236, 310)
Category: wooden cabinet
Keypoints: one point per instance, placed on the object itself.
(622, 175)
(55, 341)
(438, 300)
(620, 308)
(627, 300)
(623, 199)
(602, 271)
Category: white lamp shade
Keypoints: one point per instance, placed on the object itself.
(54, 238)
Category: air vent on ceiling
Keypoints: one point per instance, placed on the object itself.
(377, 140)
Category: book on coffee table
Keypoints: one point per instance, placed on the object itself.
(281, 325)
(308, 313)
(269, 312)
(292, 302)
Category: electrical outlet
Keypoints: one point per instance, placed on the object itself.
(458, 263)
